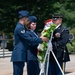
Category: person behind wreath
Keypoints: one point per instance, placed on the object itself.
(59, 41)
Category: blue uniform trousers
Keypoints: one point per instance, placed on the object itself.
(18, 68)
(33, 67)
(54, 69)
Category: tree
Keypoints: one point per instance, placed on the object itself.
(43, 9)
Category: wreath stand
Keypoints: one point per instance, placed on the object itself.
(46, 59)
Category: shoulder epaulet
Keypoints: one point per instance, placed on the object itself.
(64, 28)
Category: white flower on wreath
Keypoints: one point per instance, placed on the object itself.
(40, 47)
(40, 57)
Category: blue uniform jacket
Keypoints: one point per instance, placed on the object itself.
(22, 39)
(32, 50)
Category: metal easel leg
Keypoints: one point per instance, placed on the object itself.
(42, 68)
(48, 63)
(57, 62)
(43, 64)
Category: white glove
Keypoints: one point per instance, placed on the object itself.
(40, 47)
(50, 45)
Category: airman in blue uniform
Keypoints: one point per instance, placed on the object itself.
(59, 41)
(22, 39)
(32, 61)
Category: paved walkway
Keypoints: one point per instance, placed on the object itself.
(6, 66)
(70, 66)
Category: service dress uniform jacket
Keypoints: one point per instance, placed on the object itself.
(32, 49)
(32, 61)
(59, 44)
(22, 39)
